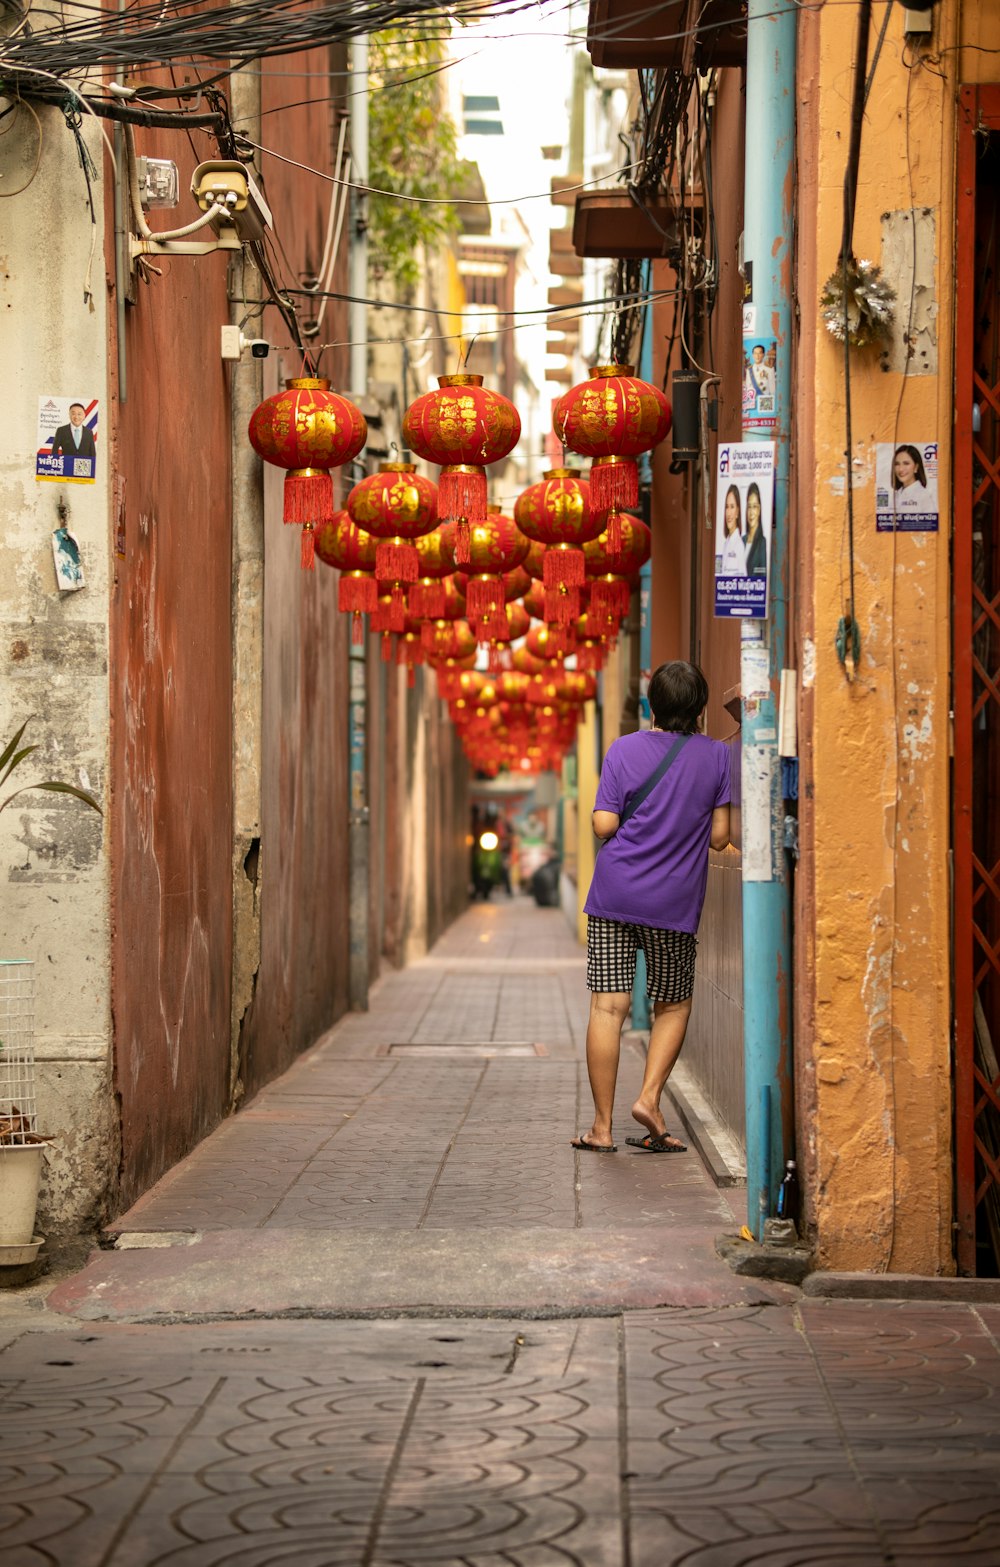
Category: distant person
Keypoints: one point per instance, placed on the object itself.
(662, 801)
(487, 866)
(734, 559)
(754, 541)
(74, 439)
(545, 881)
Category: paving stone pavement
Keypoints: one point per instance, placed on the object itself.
(385, 1316)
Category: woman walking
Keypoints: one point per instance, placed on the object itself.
(662, 801)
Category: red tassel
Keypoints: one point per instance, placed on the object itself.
(386, 647)
(397, 608)
(463, 543)
(308, 497)
(357, 628)
(411, 677)
(357, 593)
(613, 533)
(614, 484)
(564, 567)
(396, 561)
(611, 597)
(427, 600)
(462, 494)
(308, 548)
(482, 596)
(562, 605)
(494, 663)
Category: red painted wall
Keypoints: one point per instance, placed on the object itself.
(170, 713)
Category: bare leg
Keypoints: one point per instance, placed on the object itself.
(608, 1011)
(670, 1021)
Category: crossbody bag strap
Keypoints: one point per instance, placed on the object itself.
(652, 781)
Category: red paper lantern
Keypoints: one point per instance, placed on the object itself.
(550, 643)
(495, 546)
(396, 505)
(526, 662)
(444, 639)
(556, 512)
(428, 595)
(612, 418)
(463, 427)
(614, 567)
(308, 430)
(340, 544)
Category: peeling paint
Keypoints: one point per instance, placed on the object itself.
(808, 663)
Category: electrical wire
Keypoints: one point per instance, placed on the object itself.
(15, 108)
(250, 30)
(432, 201)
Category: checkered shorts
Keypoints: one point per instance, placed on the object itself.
(611, 953)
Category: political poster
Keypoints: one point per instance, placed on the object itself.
(906, 487)
(67, 440)
(744, 522)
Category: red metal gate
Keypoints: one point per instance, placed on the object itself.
(976, 677)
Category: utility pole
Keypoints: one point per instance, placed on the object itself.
(767, 911)
(359, 815)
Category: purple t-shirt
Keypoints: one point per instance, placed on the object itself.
(654, 870)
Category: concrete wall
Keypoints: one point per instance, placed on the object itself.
(54, 660)
(873, 945)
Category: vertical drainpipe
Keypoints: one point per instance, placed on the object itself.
(358, 816)
(767, 246)
(641, 1015)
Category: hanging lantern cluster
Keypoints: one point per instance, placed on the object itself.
(442, 576)
(308, 430)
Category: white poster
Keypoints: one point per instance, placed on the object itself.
(906, 487)
(744, 522)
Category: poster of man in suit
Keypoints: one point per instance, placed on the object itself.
(67, 439)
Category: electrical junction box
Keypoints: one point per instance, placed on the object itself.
(232, 342)
(917, 23)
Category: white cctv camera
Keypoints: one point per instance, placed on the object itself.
(224, 187)
(235, 345)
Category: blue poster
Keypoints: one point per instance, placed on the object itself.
(744, 519)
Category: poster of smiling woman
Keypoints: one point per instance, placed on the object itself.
(906, 487)
(744, 518)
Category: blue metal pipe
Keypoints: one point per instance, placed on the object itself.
(767, 250)
(641, 1011)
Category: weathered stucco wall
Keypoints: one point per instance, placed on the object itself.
(54, 662)
(872, 946)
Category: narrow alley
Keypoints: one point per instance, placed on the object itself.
(386, 1315)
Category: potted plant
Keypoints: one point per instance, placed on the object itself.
(21, 1143)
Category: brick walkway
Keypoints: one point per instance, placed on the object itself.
(387, 1316)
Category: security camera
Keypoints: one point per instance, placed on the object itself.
(224, 188)
(235, 345)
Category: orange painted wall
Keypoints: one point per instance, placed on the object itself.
(872, 916)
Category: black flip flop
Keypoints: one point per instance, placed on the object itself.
(661, 1144)
(582, 1143)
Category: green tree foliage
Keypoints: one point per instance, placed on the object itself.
(412, 149)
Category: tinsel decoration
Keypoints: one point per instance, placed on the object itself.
(856, 297)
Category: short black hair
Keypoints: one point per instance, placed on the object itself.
(678, 693)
